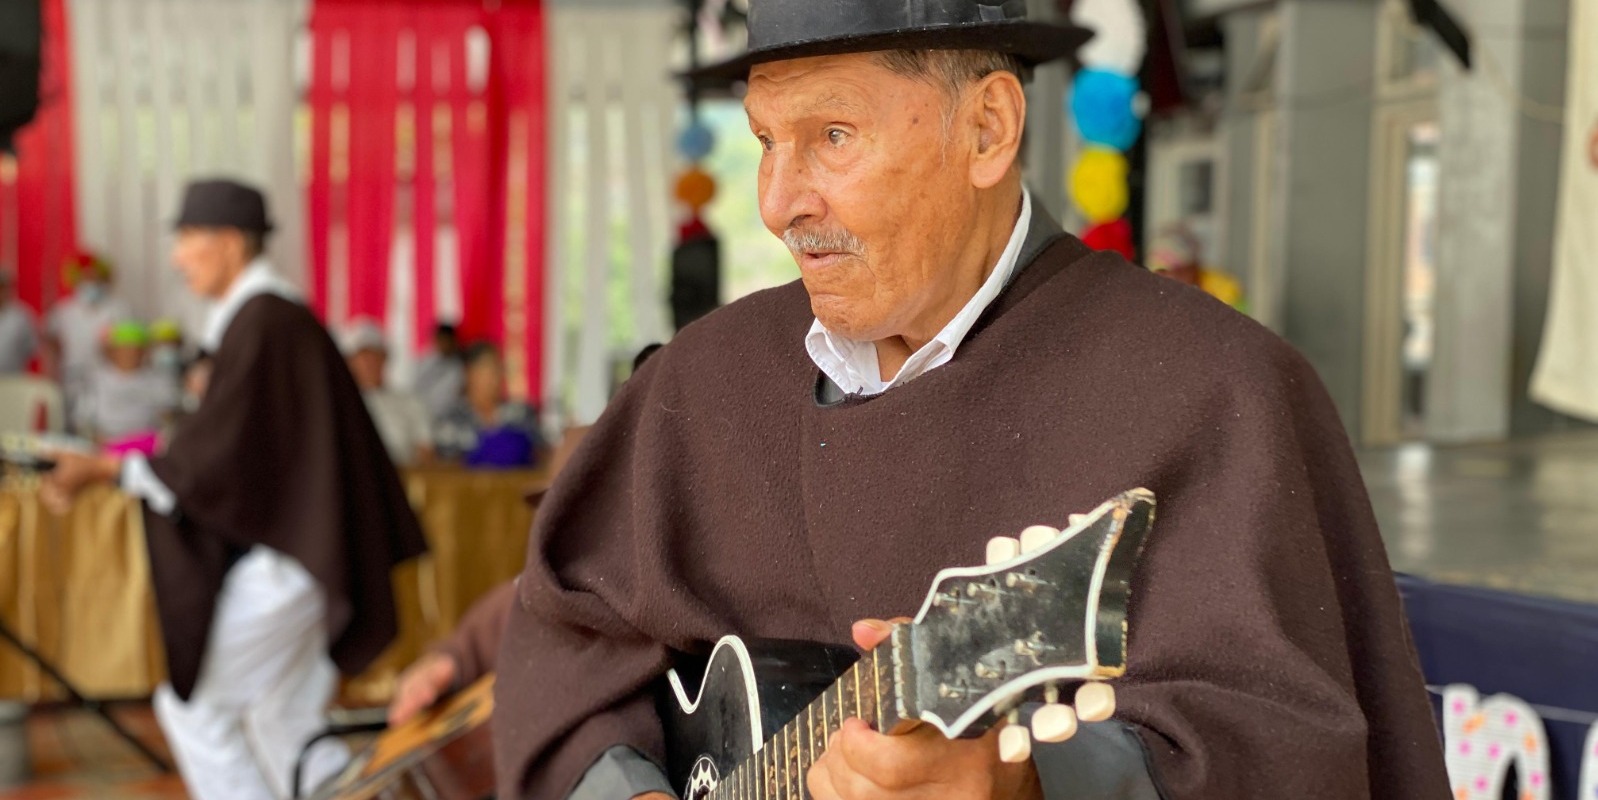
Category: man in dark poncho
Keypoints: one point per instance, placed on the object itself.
(272, 521)
(950, 367)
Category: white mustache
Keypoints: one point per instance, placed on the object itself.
(809, 240)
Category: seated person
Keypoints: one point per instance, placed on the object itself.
(439, 373)
(125, 399)
(401, 418)
(484, 428)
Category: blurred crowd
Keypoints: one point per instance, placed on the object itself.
(126, 384)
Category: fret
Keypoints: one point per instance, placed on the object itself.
(849, 695)
(791, 760)
(876, 683)
(773, 772)
(810, 737)
(787, 763)
(821, 733)
(868, 690)
(859, 708)
(835, 707)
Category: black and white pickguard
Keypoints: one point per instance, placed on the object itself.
(745, 692)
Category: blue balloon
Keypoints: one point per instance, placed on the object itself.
(696, 142)
(1103, 104)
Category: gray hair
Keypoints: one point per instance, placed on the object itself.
(950, 70)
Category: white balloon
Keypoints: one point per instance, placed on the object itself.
(1120, 34)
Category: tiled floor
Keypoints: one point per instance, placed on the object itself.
(76, 756)
(1520, 516)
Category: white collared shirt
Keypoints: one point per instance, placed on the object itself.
(853, 364)
(256, 279)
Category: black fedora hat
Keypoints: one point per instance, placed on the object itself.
(221, 203)
(786, 29)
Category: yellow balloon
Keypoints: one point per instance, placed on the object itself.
(1098, 184)
(696, 189)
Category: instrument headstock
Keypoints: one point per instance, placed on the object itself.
(1049, 608)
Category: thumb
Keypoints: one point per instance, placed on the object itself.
(868, 633)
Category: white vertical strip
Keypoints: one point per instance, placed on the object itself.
(637, 86)
(592, 387)
(276, 96)
(164, 178)
(224, 75)
(88, 60)
(660, 130)
(559, 192)
(128, 248)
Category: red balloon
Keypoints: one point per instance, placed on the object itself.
(1115, 236)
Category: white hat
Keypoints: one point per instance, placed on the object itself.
(362, 334)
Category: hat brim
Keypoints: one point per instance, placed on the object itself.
(1032, 43)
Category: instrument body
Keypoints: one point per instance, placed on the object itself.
(445, 753)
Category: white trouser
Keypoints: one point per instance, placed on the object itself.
(264, 686)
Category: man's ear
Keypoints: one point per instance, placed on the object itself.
(997, 111)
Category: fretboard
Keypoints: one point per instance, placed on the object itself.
(866, 691)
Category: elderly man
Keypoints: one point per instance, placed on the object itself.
(272, 520)
(951, 365)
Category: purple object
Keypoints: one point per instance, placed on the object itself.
(501, 448)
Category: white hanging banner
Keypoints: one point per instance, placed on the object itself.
(1566, 378)
(168, 90)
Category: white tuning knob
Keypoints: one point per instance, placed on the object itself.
(1076, 519)
(1015, 744)
(1037, 536)
(1054, 723)
(1003, 548)
(1095, 702)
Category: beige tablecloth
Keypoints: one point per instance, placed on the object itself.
(78, 586)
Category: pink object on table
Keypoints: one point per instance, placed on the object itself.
(142, 443)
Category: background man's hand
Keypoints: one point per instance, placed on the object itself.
(73, 472)
(862, 764)
(421, 685)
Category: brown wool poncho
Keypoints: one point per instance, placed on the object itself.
(1268, 655)
(281, 453)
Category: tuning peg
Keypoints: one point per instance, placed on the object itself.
(1015, 744)
(1076, 519)
(1037, 536)
(1003, 548)
(1095, 702)
(1054, 723)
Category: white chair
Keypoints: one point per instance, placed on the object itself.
(25, 401)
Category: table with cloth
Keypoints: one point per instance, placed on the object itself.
(78, 586)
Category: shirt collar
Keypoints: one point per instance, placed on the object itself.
(256, 279)
(853, 365)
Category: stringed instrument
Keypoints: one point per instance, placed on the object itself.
(445, 753)
(1046, 613)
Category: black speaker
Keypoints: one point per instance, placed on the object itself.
(19, 66)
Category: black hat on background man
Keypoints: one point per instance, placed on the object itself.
(221, 203)
(780, 30)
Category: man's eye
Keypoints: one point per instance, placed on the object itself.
(837, 135)
(765, 143)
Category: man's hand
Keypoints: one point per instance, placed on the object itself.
(73, 472)
(421, 685)
(861, 764)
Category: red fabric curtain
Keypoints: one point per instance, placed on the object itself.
(413, 132)
(37, 225)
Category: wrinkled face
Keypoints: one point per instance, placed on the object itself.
(863, 180)
(209, 258)
(485, 379)
(367, 366)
